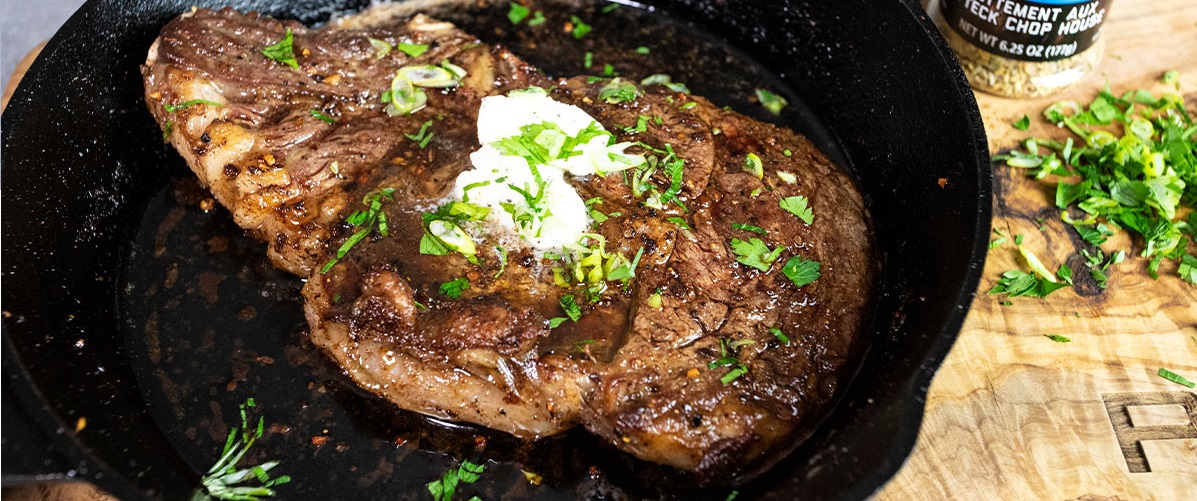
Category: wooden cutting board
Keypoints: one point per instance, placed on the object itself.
(1012, 415)
(1015, 415)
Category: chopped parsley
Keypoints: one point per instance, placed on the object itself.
(1058, 338)
(412, 49)
(798, 206)
(619, 91)
(1022, 123)
(642, 50)
(556, 322)
(423, 136)
(166, 130)
(366, 221)
(667, 81)
(323, 118)
(444, 488)
(777, 333)
(772, 102)
(455, 288)
(570, 306)
(748, 227)
(502, 260)
(610, 7)
(1175, 378)
(1019, 283)
(171, 108)
(801, 271)
(581, 29)
(728, 358)
(755, 253)
(588, 60)
(517, 13)
(1140, 181)
(283, 51)
(688, 105)
(219, 482)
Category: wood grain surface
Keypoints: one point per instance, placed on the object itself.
(1012, 414)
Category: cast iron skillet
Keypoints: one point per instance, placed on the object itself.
(84, 169)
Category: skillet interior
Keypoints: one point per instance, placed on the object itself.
(82, 163)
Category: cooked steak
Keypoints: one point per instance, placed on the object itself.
(707, 350)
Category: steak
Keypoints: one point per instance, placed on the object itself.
(697, 360)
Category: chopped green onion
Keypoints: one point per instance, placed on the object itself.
(171, 108)
(1175, 378)
(754, 166)
(324, 118)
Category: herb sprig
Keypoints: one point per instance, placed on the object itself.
(220, 481)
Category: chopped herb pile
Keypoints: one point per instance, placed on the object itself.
(728, 358)
(1131, 165)
(220, 481)
(455, 288)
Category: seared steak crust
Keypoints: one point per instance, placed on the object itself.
(634, 368)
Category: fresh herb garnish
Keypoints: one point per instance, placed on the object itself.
(1175, 378)
(282, 51)
(219, 482)
(667, 81)
(610, 7)
(423, 136)
(517, 13)
(772, 102)
(588, 60)
(642, 50)
(680, 222)
(755, 253)
(728, 358)
(1022, 123)
(798, 206)
(367, 221)
(556, 322)
(1058, 338)
(324, 118)
(166, 130)
(581, 29)
(445, 487)
(1140, 181)
(537, 19)
(442, 233)
(171, 108)
(754, 166)
(801, 271)
(777, 333)
(619, 91)
(412, 49)
(1019, 283)
(381, 47)
(502, 260)
(748, 227)
(455, 288)
(581, 345)
(570, 306)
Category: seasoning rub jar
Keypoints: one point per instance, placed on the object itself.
(1021, 48)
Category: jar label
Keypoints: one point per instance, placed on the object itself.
(1045, 30)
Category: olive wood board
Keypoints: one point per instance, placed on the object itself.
(1012, 414)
